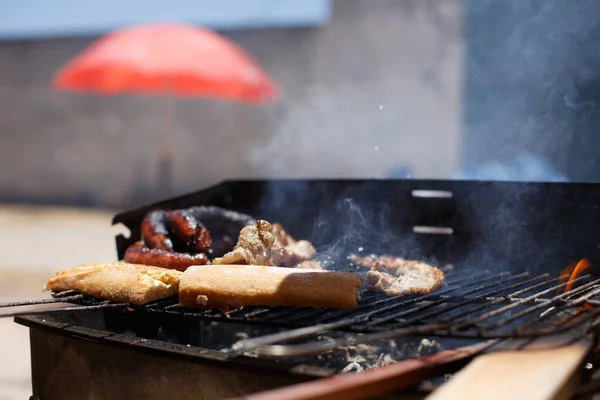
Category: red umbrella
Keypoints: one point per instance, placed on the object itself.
(168, 59)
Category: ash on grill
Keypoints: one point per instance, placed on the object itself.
(367, 356)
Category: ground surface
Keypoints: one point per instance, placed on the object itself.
(35, 242)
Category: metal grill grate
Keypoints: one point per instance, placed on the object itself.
(484, 305)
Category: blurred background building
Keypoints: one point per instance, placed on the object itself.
(372, 89)
(472, 89)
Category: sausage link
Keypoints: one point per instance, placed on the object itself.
(138, 253)
(189, 230)
(154, 231)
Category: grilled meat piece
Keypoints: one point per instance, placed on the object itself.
(266, 244)
(410, 278)
(154, 231)
(253, 246)
(192, 229)
(177, 239)
(139, 253)
(282, 238)
(289, 252)
(220, 221)
(390, 263)
(293, 254)
(310, 264)
(191, 232)
(221, 246)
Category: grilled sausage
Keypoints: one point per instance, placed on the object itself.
(191, 232)
(138, 253)
(154, 231)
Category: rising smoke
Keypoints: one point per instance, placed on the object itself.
(376, 91)
(361, 226)
(329, 133)
(531, 98)
(529, 63)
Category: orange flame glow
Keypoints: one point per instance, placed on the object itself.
(571, 273)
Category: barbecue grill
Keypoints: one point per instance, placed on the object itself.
(502, 245)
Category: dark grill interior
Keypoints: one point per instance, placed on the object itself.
(499, 226)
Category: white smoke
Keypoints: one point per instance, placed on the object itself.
(526, 63)
(323, 135)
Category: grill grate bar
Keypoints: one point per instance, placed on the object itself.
(489, 301)
(579, 302)
(463, 301)
(267, 345)
(469, 301)
(487, 306)
(58, 299)
(545, 304)
(391, 303)
(322, 315)
(101, 306)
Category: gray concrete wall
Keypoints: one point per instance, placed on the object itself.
(377, 88)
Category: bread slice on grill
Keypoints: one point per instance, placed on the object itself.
(232, 286)
(118, 281)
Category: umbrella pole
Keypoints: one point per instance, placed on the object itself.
(165, 161)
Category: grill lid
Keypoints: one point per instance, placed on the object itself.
(516, 226)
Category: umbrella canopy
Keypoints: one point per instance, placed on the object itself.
(172, 59)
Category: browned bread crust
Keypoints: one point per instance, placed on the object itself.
(232, 286)
(118, 281)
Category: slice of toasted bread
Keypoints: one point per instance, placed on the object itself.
(228, 287)
(118, 281)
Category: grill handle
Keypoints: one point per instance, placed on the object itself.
(375, 382)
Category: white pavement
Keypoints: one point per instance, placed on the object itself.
(34, 242)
